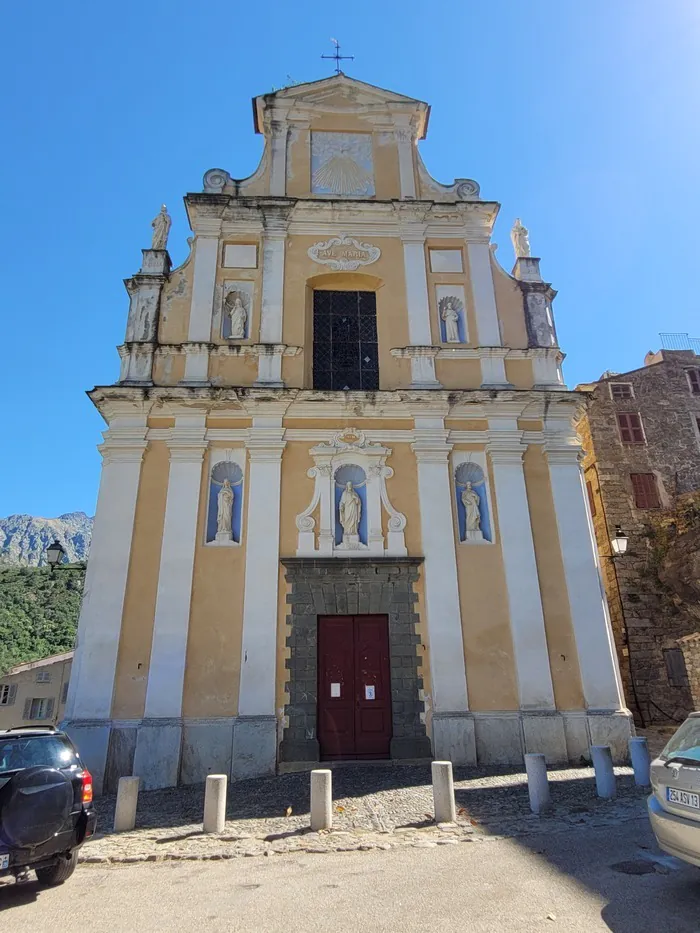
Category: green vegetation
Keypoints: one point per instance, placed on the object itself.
(38, 612)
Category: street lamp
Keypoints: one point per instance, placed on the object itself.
(55, 554)
(619, 542)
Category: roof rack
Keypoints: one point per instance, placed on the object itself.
(31, 729)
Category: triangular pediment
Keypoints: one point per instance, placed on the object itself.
(339, 94)
(345, 91)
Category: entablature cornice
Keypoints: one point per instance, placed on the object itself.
(122, 401)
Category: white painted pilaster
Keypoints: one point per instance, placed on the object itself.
(274, 245)
(418, 307)
(535, 688)
(453, 729)
(405, 140)
(201, 309)
(255, 743)
(488, 331)
(166, 672)
(278, 160)
(589, 612)
(94, 666)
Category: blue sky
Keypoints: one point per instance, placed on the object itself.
(580, 118)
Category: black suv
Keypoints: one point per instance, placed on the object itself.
(46, 810)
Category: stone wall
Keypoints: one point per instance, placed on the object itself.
(647, 620)
(690, 646)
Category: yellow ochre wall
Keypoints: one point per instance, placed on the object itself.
(215, 628)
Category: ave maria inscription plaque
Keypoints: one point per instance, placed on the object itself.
(344, 253)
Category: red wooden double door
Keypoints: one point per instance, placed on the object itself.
(354, 687)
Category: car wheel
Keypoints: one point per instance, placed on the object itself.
(60, 871)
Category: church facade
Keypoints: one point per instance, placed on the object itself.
(341, 511)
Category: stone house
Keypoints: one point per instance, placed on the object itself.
(35, 693)
(641, 437)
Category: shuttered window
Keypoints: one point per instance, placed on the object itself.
(38, 708)
(630, 425)
(694, 380)
(620, 390)
(591, 500)
(646, 493)
(8, 692)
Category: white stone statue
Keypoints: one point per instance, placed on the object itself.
(521, 240)
(239, 316)
(470, 501)
(350, 510)
(161, 228)
(451, 318)
(224, 514)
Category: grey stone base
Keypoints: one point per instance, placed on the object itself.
(502, 738)
(299, 750)
(207, 748)
(453, 738)
(157, 756)
(254, 746)
(91, 738)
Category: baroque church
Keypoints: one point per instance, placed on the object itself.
(341, 512)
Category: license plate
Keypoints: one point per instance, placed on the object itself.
(684, 797)
(4, 862)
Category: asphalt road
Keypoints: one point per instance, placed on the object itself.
(583, 880)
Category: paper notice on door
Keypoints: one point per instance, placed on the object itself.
(369, 692)
(335, 690)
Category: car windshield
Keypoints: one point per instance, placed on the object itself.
(685, 743)
(31, 751)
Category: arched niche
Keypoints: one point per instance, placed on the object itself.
(350, 457)
(472, 498)
(225, 466)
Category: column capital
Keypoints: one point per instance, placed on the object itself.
(122, 451)
(565, 450)
(431, 446)
(266, 442)
(206, 227)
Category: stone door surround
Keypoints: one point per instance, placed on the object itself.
(336, 586)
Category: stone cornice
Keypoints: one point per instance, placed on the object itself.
(210, 214)
(122, 401)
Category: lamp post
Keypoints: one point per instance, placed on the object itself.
(618, 546)
(619, 542)
(55, 554)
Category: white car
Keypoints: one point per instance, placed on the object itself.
(674, 805)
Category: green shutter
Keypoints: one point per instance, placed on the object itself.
(27, 708)
(12, 694)
(49, 709)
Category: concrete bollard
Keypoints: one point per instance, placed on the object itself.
(127, 800)
(321, 799)
(537, 782)
(604, 774)
(215, 803)
(639, 756)
(443, 792)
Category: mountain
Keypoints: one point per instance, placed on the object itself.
(24, 538)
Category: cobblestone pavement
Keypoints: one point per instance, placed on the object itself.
(373, 808)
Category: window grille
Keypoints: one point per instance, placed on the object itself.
(345, 353)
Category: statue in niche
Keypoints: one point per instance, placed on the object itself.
(238, 315)
(450, 316)
(224, 514)
(161, 228)
(350, 511)
(521, 240)
(470, 501)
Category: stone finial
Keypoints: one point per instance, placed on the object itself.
(520, 238)
(161, 228)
